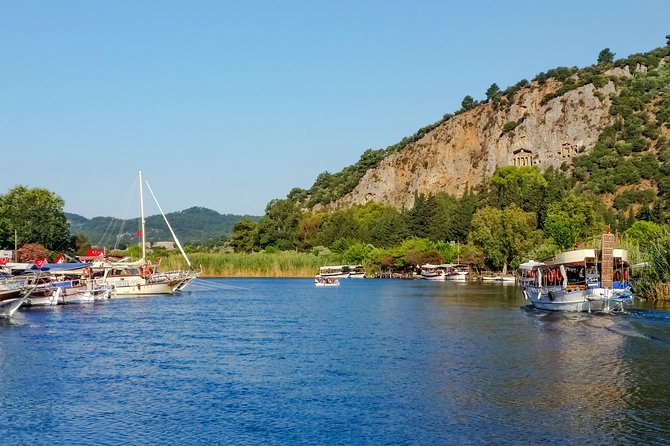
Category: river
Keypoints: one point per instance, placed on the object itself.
(279, 361)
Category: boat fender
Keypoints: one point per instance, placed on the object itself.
(625, 274)
(552, 296)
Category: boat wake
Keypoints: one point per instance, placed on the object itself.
(630, 332)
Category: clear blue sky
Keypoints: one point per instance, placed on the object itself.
(228, 105)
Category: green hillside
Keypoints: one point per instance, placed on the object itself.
(196, 224)
(627, 168)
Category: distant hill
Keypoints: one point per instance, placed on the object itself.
(194, 224)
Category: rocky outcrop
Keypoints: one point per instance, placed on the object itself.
(466, 149)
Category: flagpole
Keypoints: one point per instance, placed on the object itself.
(144, 256)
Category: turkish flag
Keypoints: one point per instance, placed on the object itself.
(40, 262)
(60, 258)
(3, 260)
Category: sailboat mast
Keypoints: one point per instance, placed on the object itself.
(144, 245)
(174, 236)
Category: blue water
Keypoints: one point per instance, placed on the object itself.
(279, 361)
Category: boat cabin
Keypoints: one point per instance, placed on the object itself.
(577, 270)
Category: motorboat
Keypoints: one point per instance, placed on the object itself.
(433, 272)
(593, 280)
(458, 272)
(326, 281)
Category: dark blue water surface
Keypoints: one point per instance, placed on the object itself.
(278, 361)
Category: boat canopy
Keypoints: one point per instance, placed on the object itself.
(584, 255)
(58, 266)
(530, 265)
(48, 266)
(442, 265)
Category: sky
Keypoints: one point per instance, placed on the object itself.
(229, 105)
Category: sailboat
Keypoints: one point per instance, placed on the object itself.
(141, 278)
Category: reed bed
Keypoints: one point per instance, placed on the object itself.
(654, 283)
(258, 264)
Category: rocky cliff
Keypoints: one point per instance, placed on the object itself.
(466, 149)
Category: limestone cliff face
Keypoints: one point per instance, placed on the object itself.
(466, 149)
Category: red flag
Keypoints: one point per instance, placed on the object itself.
(3, 260)
(158, 261)
(139, 234)
(60, 258)
(40, 262)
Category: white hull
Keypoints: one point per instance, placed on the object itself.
(142, 288)
(555, 298)
(326, 281)
(86, 296)
(505, 280)
(356, 275)
(182, 277)
(434, 277)
(8, 307)
(460, 277)
(48, 300)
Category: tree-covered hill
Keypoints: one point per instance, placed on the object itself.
(627, 167)
(621, 180)
(196, 224)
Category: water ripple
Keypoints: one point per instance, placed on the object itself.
(373, 362)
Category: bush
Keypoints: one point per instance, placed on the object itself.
(625, 199)
(32, 251)
(654, 283)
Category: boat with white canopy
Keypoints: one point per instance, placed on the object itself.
(595, 280)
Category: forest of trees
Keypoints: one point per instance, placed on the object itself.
(519, 213)
(196, 224)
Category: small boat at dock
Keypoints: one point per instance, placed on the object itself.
(433, 272)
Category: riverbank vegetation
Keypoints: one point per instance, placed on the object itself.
(519, 213)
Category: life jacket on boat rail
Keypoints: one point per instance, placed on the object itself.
(550, 276)
(145, 271)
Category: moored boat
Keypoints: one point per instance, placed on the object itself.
(458, 272)
(357, 272)
(13, 293)
(433, 272)
(9, 306)
(339, 271)
(126, 279)
(580, 280)
(90, 293)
